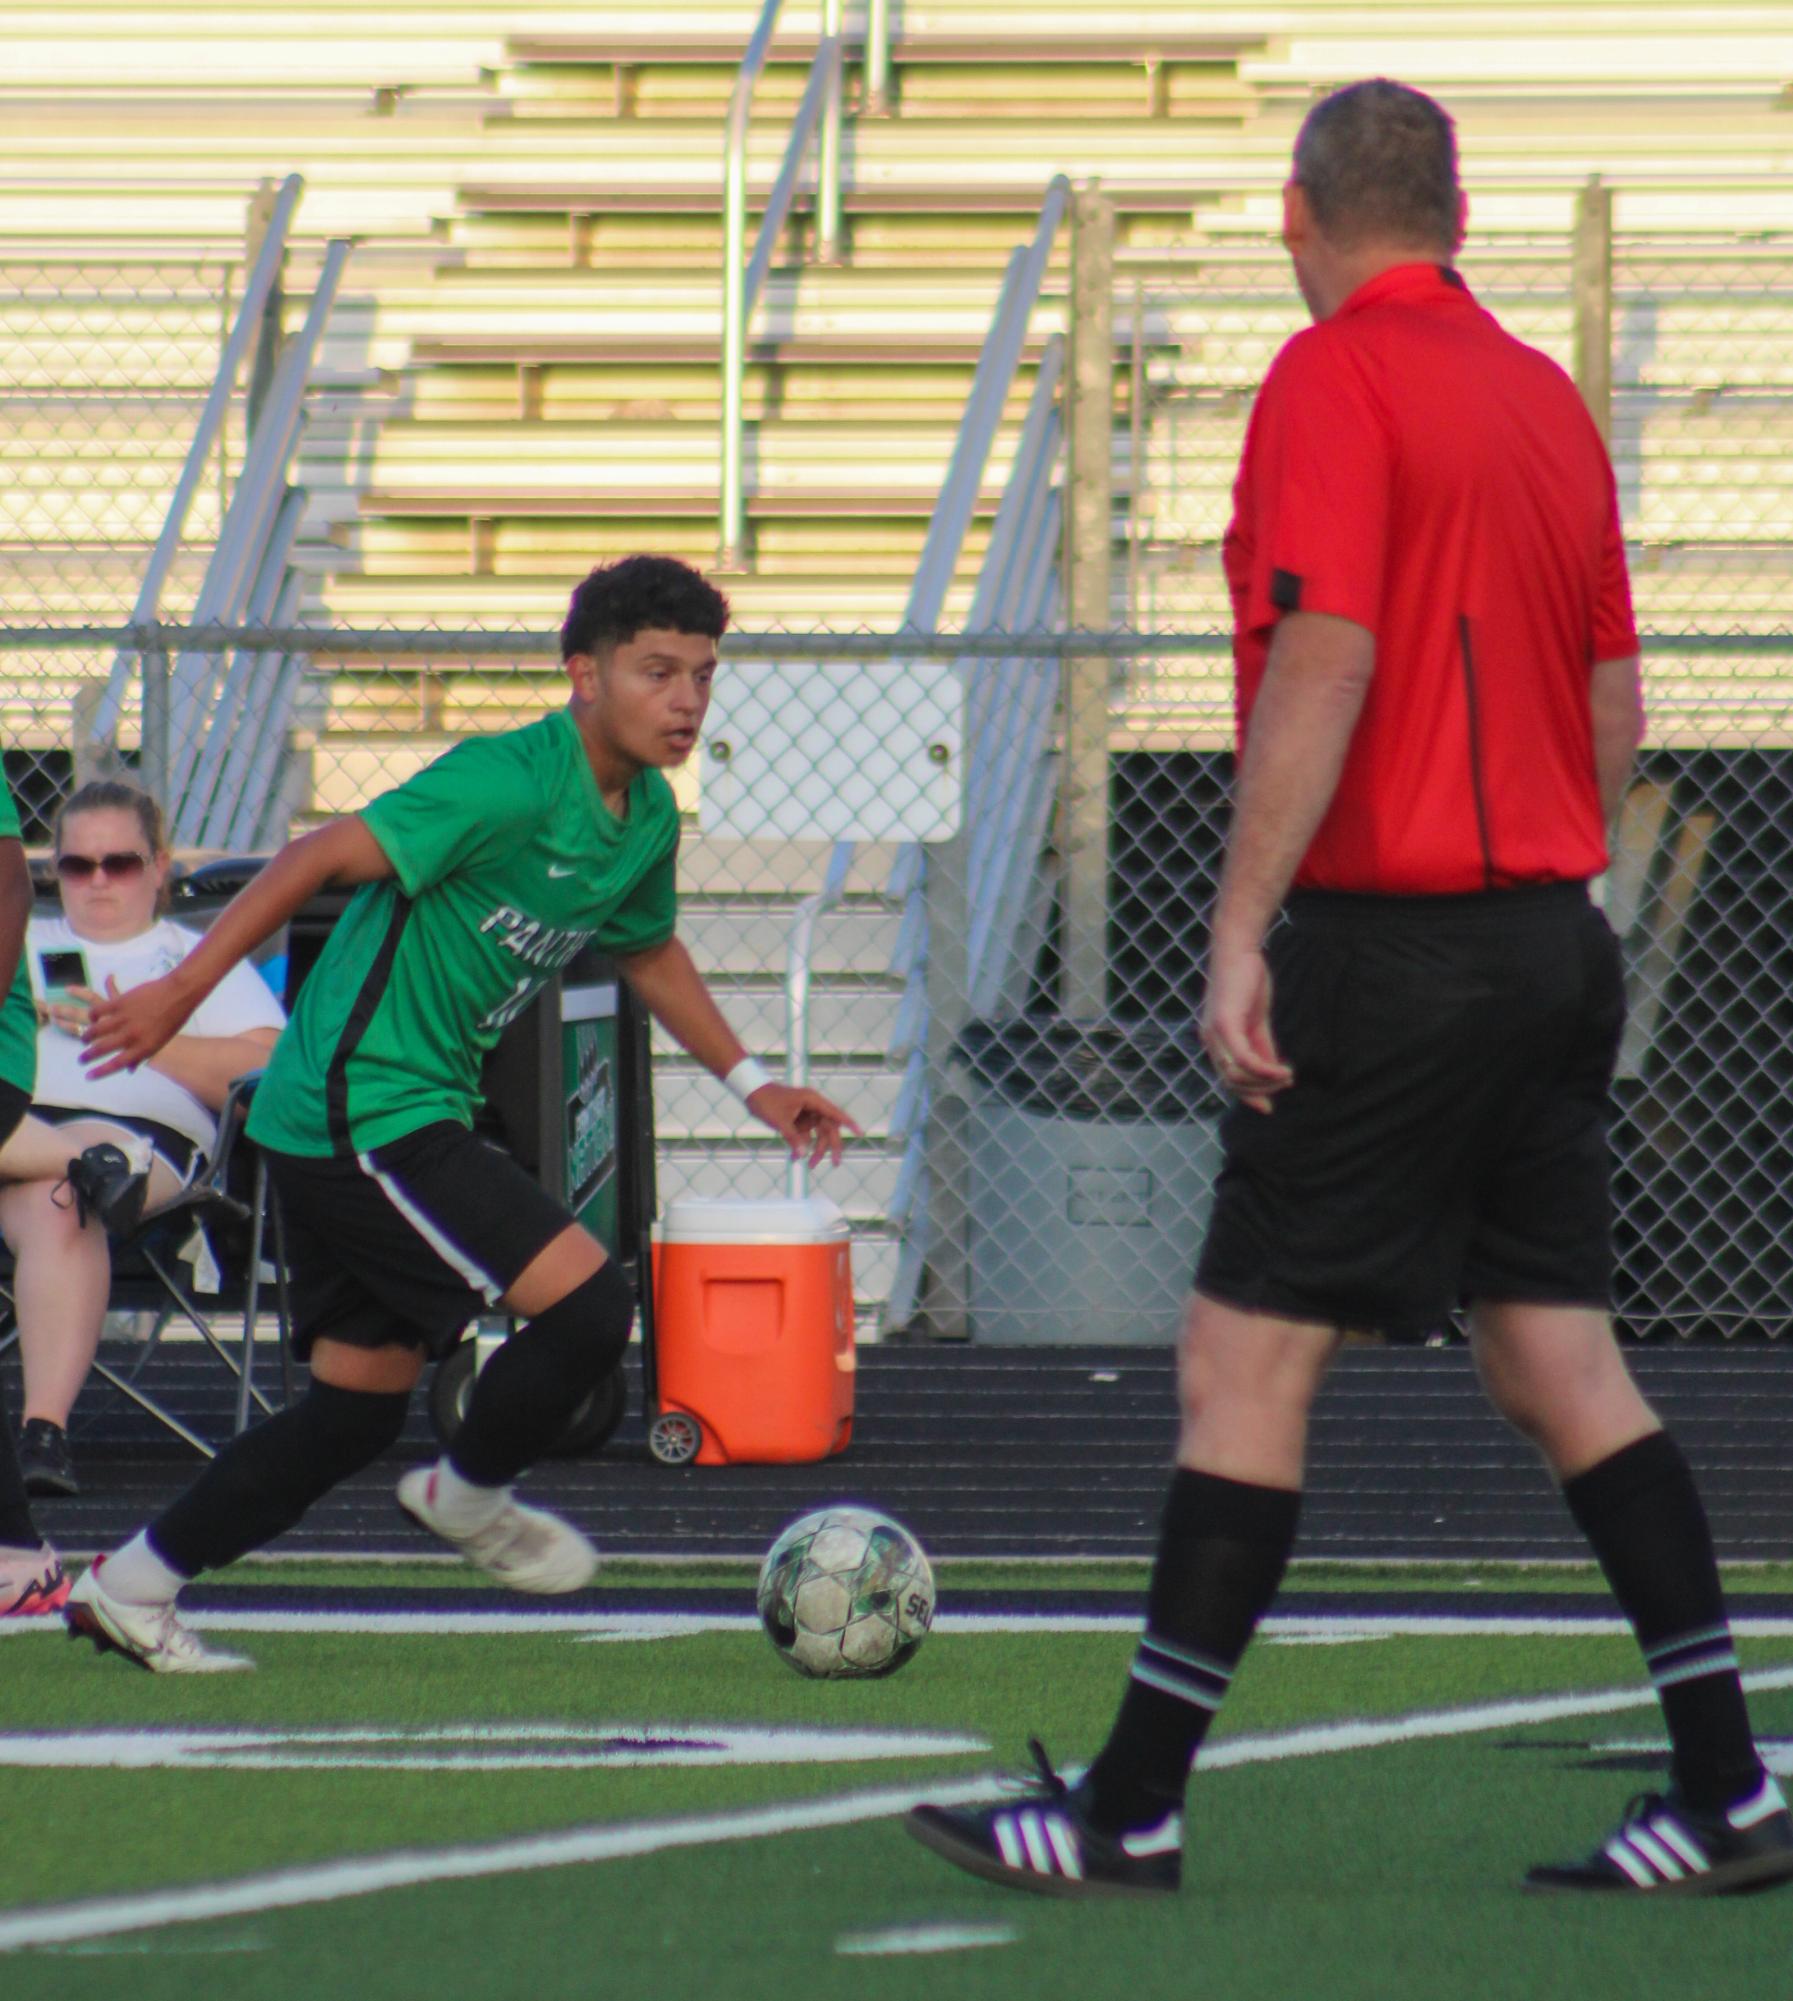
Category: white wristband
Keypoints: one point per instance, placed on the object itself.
(747, 1077)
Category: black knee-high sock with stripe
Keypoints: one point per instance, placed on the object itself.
(1642, 1513)
(1221, 1555)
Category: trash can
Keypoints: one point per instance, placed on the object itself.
(754, 1332)
(1093, 1152)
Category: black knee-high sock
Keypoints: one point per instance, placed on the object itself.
(525, 1394)
(1221, 1554)
(1642, 1514)
(17, 1530)
(264, 1480)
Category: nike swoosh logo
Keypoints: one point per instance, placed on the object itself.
(557, 869)
(1160, 1840)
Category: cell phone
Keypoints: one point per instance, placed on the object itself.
(62, 971)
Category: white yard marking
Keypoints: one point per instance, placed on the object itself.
(1315, 1739)
(1325, 1639)
(923, 1938)
(366, 1875)
(501, 1747)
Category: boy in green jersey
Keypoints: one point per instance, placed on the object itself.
(477, 880)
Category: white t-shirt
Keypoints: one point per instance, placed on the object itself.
(242, 1000)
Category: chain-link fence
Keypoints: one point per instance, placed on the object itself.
(104, 368)
(1701, 889)
(1027, 1177)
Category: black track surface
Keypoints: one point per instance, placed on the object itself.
(1037, 1452)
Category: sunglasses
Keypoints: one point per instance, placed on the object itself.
(83, 868)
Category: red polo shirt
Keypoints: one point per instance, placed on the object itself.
(1411, 467)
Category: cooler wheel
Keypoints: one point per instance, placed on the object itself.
(674, 1438)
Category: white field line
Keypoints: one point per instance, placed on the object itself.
(361, 1876)
(674, 1625)
(922, 1938)
(365, 1875)
(1351, 1735)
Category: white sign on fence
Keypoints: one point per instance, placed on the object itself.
(820, 751)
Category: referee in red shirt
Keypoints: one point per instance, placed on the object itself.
(1415, 1004)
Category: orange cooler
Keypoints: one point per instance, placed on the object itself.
(753, 1313)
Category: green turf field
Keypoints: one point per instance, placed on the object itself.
(420, 1813)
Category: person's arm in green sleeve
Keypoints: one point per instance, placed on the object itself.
(127, 1029)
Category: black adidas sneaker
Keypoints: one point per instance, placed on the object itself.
(1042, 1840)
(1665, 1847)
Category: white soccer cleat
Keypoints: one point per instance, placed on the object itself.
(526, 1548)
(150, 1635)
(33, 1583)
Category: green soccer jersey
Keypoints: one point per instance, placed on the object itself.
(508, 864)
(18, 1016)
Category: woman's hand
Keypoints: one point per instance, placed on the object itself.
(71, 1014)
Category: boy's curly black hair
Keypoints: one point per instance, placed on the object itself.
(640, 594)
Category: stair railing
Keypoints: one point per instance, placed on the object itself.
(743, 277)
(991, 385)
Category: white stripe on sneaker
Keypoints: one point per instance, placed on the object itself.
(1760, 1806)
(1009, 1841)
(1676, 1837)
(1164, 1839)
(1064, 1847)
(1633, 1865)
(1654, 1853)
(1033, 1836)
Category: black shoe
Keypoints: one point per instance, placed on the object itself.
(1043, 1841)
(1666, 1848)
(44, 1458)
(111, 1183)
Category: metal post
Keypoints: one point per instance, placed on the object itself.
(1136, 448)
(828, 194)
(152, 752)
(877, 100)
(1593, 301)
(271, 332)
(1089, 531)
(732, 525)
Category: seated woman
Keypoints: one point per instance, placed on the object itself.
(112, 870)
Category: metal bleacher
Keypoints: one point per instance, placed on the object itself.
(521, 376)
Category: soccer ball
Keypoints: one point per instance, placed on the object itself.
(846, 1591)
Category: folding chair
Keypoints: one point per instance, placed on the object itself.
(232, 1206)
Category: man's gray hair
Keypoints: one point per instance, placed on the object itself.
(1378, 163)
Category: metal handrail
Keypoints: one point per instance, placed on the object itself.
(102, 727)
(742, 278)
(236, 563)
(1008, 727)
(877, 58)
(984, 408)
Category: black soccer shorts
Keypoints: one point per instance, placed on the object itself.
(408, 1242)
(1445, 1139)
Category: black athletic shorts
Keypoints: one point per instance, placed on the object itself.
(14, 1104)
(409, 1242)
(1445, 1138)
